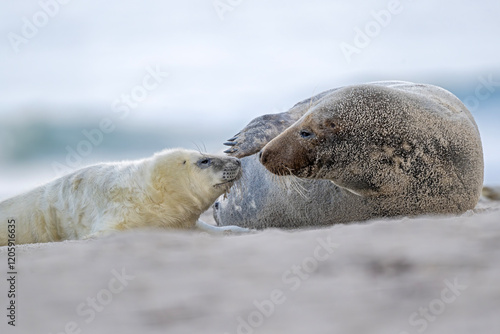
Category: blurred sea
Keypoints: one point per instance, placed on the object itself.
(34, 148)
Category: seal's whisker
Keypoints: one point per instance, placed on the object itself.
(276, 179)
(298, 182)
(282, 182)
(311, 101)
(198, 148)
(296, 185)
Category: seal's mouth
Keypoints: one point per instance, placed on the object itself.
(229, 175)
(229, 183)
(225, 187)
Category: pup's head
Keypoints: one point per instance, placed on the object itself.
(187, 173)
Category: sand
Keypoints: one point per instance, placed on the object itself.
(408, 275)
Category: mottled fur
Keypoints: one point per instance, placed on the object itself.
(399, 148)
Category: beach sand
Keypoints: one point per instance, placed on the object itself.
(407, 275)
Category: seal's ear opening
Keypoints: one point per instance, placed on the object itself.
(332, 125)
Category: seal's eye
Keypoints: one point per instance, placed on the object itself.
(306, 134)
(204, 163)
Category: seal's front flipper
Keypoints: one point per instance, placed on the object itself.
(221, 230)
(263, 129)
(258, 133)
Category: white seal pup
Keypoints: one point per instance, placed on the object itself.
(169, 190)
(388, 148)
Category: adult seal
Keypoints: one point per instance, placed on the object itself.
(386, 148)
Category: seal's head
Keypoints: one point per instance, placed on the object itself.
(378, 141)
(191, 174)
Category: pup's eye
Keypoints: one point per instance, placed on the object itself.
(204, 163)
(306, 134)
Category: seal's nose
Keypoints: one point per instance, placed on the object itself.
(263, 157)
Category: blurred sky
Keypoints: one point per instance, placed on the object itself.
(64, 67)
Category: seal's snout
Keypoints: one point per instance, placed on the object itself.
(231, 162)
(263, 157)
(232, 170)
(230, 174)
(266, 159)
(282, 158)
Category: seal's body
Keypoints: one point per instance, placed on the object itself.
(400, 148)
(169, 190)
(260, 199)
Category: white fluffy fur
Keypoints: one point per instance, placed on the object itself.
(167, 190)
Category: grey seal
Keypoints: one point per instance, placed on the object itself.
(353, 153)
(168, 190)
